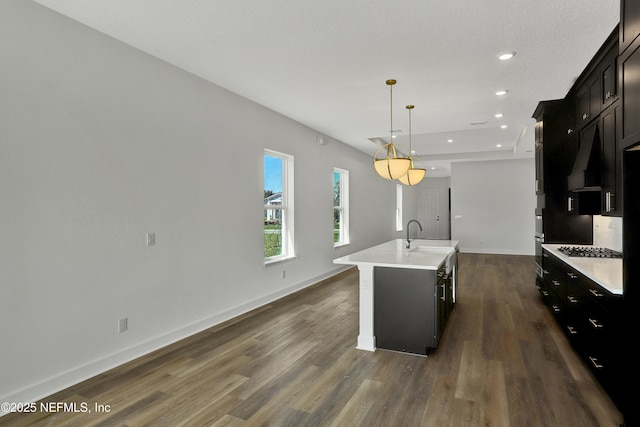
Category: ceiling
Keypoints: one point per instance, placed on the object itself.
(325, 63)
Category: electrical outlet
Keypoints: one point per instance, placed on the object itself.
(151, 239)
(123, 324)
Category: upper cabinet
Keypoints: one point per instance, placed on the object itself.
(597, 87)
(629, 22)
(611, 167)
(628, 71)
(609, 77)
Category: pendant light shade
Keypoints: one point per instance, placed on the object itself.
(414, 175)
(392, 166)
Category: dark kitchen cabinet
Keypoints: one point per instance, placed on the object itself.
(554, 287)
(589, 315)
(629, 70)
(611, 168)
(589, 98)
(556, 148)
(609, 77)
(411, 307)
(597, 87)
(539, 158)
(629, 22)
(593, 325)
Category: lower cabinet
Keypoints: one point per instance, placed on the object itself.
(411, 307)
(590, 316)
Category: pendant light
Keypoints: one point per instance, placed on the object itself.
(392, 166)
(414, 175)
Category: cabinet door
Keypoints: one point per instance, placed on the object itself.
(609, 76)
(629, 22)
(629, 70)
(589, 100)
(611, 162)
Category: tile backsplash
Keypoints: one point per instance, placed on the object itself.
(607, 232)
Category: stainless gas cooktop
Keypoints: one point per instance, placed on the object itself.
(589, 252)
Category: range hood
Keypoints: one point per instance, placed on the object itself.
(585, 175)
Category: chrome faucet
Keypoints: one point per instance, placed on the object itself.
(408, 245)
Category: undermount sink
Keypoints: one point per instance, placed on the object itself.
(437, 249)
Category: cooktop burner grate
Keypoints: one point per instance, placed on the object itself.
(589, 252)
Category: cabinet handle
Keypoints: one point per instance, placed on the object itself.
(571, 329)
(572, 299)
(595, 324)
(444, 293)
(555, 282)
(570, 204)
(585, 116)
(546, 255)
(545, 293)
(608, 205)
(607, 96)
(569, 131)
(572, 276)
(595, 363)
(595, 293)
(555, 308)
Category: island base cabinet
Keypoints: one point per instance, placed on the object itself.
(408, 309)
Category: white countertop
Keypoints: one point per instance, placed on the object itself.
(424, 254)
(606, 272)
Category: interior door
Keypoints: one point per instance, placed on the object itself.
(433, 213)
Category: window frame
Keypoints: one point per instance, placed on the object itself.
(342, 208)
(286, 207)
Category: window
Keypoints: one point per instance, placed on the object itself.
(278, 206)
(399, 207)
(340, 207)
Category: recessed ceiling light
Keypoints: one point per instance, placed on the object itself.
(506, 56)
(498, 145)
(449, 141)
(498, 115)
(503, 126)
(502, 92)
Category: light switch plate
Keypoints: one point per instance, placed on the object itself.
(151, 239)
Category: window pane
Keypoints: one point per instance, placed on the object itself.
(336, 188)
(272, 232)
(337, 225)
(272, 176)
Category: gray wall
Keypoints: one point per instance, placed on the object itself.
(492, 206)
(101, 144)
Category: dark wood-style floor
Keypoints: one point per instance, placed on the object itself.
(502, 362)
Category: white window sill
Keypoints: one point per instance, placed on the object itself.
(339, 245)
(277, 260)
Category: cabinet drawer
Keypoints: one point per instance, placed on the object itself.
(555, 280)
(605, 299)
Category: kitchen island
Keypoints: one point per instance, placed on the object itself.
(392, 259)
